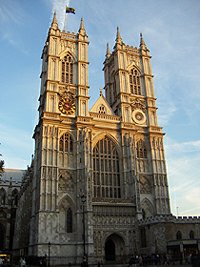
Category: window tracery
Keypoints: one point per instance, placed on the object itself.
(135, 84)
(145, 185)
(141, 149)
(2, 196)
(67, 69)
(191, 234)
(66, 143)
(15, 197)
(106, 172)
(102, 109)
(179, 235)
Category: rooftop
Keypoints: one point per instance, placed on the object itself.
(15, 174)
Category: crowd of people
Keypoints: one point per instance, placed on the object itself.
(135, 261)
(164, 259)
(4, 261)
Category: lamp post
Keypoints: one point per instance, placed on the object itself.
(83, 200)
(49, 250)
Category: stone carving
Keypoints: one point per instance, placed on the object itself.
(145, 185)
(138, 104)
(66, 44)
(65, 182)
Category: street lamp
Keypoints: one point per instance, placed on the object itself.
(49, 250)
(83, 200)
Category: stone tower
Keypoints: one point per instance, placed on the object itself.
(59, 170)
(130, 92)
(97, 172)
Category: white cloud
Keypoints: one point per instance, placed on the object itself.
(166, 113)
(15, 147)
(59, 8)
(193, 197)
(183, 174)
(11, 12)
(6, 36)
(184, 147)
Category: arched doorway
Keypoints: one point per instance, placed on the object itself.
(114, 248)
(110, 250)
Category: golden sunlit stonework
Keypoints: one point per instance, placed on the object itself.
(99, 184)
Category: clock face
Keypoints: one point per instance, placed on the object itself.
(138, 116)
(67, 105)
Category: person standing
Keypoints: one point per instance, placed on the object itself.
(22, 262)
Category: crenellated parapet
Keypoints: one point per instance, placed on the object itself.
(169, 218)
(187, 219)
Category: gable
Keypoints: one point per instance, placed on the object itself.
(102, 106)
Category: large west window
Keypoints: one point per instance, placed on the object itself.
(106, 173)
(67, 69)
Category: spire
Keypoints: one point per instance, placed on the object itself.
(141, 40)
(142, 43)
(118, 38)
(108, 51)
(54, 23)
(82, 28)
(101, 91)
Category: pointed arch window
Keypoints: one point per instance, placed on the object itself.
(191, 234)
(106, 172)
(2, 196)
(15, 197)
(114, 89)
(179, 235)
(69, 220)
(135, 83)
(102, 109)
(66, 143)
(67, 69)
(143, 214)
(141, 149)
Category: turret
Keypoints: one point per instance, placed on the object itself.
(143, 47)
(54, 24)
(107, 51)
(118, 40)
(82, 28)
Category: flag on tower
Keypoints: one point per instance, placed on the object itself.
(70, 10)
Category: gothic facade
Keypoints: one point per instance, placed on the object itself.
(97, 174)
(10, 183)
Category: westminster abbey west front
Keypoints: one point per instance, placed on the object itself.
(97, 184)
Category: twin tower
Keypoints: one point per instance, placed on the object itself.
(95, 173)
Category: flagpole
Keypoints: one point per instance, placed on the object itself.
(67, 11)
(65, 23)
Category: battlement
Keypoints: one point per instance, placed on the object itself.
(7, 183)
(169, 218)
(188, 219)
(69, 35)
(131, 47)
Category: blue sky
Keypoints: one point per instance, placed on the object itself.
(171, 31)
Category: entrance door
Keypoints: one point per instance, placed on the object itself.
(110, 250)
